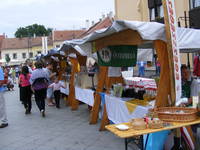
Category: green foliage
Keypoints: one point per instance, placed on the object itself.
(31, 30)
(7, 59)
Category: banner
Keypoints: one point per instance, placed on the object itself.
(172, 27)
(118, 56)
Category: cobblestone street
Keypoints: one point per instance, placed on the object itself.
(61, 129)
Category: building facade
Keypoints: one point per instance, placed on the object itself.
(187, 14)
(18, 50)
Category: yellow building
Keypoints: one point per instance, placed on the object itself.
(20, 49)
(152, 10)
(146, 10)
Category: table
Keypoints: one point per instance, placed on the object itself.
(84, 95)
(119, 110)
(65, 90)
(132, 133)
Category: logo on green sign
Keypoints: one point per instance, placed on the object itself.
(118, 56)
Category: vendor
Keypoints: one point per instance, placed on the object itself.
(186, 83)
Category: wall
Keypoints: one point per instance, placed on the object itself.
(131, 10)
(19, 52)
(138, 9)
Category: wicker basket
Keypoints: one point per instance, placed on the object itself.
(177, 114)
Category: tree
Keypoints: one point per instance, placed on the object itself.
(31, 30)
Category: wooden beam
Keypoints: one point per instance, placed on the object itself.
(125, 37)
(97, 99)
(108, 83)
(163, 89)
(72, 100)
(170, 53)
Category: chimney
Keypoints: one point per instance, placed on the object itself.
(110, 14)
(87, 24)
(4, 35)
(103, 16)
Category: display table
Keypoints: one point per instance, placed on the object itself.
(121, 110)
(65, 90)
(84, 95)
(131, 132)
(145, 83)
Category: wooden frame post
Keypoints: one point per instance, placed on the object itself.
(109, 82)
(97, 99)
(72, 99)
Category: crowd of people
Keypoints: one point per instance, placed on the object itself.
(39, 81)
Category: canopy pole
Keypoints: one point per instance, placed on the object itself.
(97, 99)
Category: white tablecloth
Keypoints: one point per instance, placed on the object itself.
(65, 90)
(85, 95)
(141, 82)
(118, 112)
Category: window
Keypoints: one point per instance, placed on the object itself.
(31, 55)
(160, 11)
(152, 14)
(14, 55)
(7, 56)
(23, 55)
(194, 3)
(155, 9)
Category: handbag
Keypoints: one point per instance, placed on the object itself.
(40, 83)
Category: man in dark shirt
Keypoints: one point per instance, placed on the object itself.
(186, 84)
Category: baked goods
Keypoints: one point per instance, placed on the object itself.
(138, 124)
(155, 124)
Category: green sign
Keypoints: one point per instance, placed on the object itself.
(118, 56)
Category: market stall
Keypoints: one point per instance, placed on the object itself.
(137, 33)
(77, 91)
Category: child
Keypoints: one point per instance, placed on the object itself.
(10, 84)
(56, 91)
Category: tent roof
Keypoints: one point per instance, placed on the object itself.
(150, 31)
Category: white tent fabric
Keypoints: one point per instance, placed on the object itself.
(187, 38)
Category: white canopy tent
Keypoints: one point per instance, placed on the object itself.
(188, 39)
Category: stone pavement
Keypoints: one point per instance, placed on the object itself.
(61, 129)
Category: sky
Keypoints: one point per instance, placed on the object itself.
(56, 14)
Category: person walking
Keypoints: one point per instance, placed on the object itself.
(39, 82)
(56, 91)
(3, 115)
(51, 76)
(141, 68)
(26, 91)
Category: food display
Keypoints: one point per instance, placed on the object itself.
(138, 124)
(155, 124)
